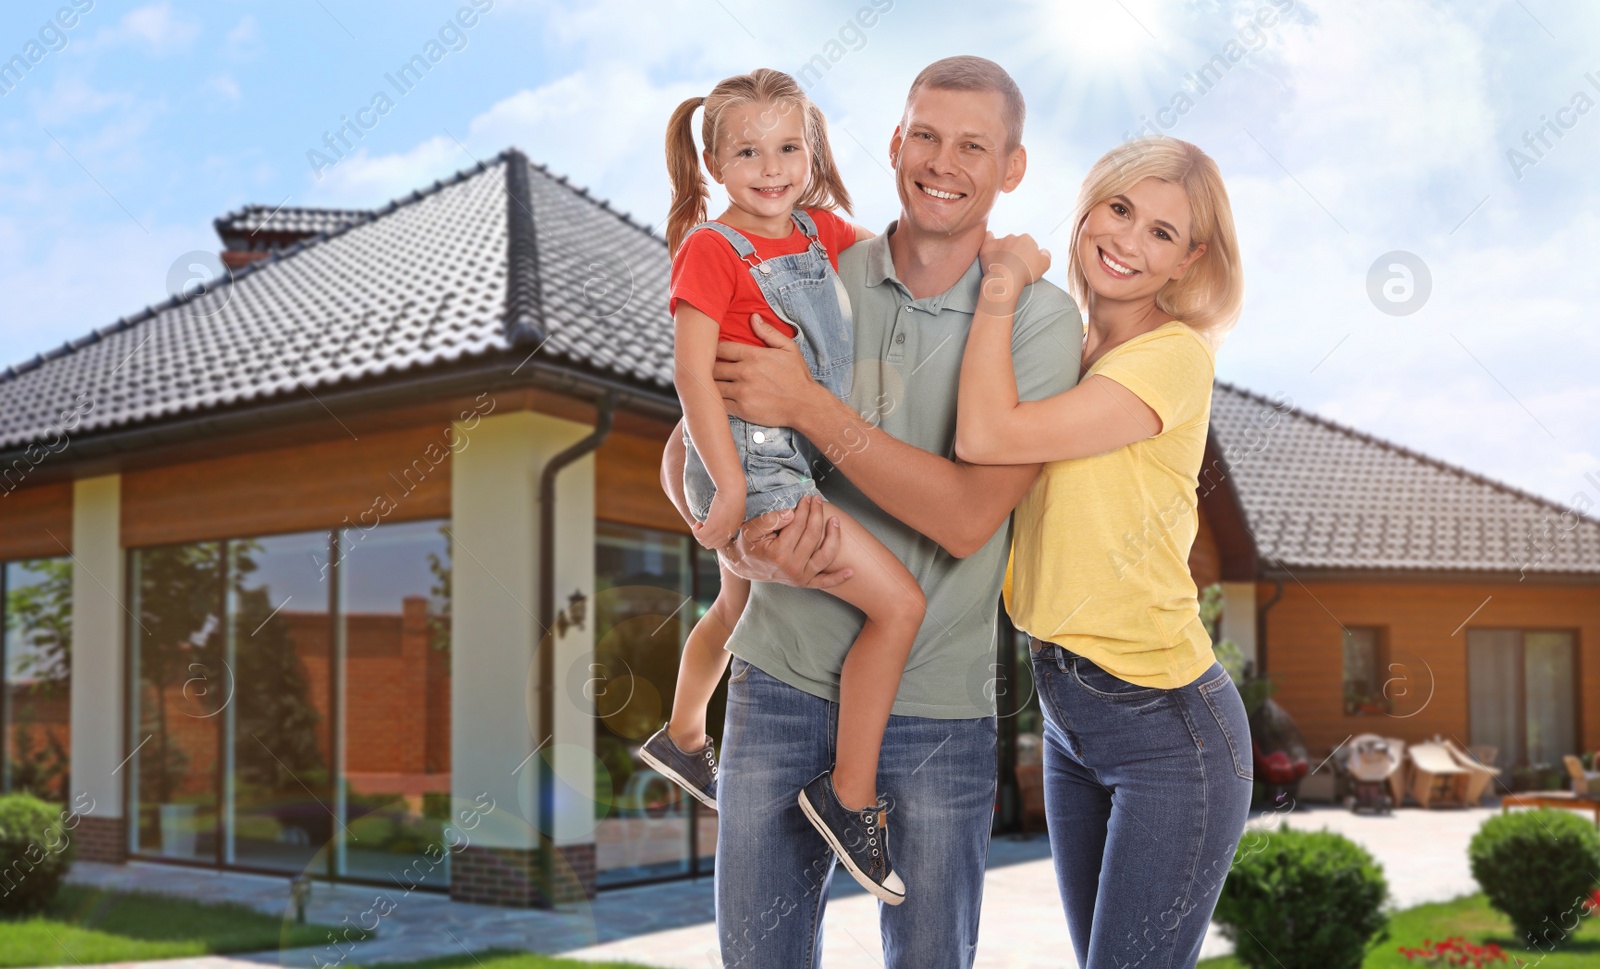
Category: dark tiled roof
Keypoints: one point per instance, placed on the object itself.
(1317, 495)
(505, 258)
(420, 282)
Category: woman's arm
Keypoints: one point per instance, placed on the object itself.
(694, 354)
(992, 425)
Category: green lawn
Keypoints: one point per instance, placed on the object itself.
(85, 925)
(1472, 918)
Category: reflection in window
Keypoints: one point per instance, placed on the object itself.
(396, 608)
(650, 587)
(291, 700)
(177, 643)
(277, 780)
(36, 660)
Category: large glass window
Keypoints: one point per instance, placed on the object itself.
(290, 699)
(36, 671)
(650, 588)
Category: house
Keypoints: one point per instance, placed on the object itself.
(290, 545)
(1392, 593)
(355, 563)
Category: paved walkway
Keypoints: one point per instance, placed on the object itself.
(670, 926)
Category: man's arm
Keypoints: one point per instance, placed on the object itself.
(960, 506)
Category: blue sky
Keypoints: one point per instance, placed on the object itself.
(1345, 131)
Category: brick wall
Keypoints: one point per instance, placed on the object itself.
(101, 839)
(509, 876)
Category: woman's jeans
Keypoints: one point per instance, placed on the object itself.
(1146, 791)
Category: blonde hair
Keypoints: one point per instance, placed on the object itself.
(1210, 295)
(762, 86)
(965, 72)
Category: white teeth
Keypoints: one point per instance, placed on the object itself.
(1115, 266)
(938, 194)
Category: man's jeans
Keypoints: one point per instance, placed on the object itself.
(1146, 792)
(773, 868)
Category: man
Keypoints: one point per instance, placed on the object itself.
(913, 291)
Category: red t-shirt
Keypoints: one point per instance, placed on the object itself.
(714, 280)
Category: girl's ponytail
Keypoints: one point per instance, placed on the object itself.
(827, 189)
(689, 189)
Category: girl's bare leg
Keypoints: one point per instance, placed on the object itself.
(887, 592)
(705, 656)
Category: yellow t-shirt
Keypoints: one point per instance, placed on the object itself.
(1100, 553)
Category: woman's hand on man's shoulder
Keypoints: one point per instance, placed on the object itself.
(1014, 260)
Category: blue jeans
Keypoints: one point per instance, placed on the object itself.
(1146, 793)
(774, 869)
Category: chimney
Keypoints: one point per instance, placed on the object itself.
(256, 231)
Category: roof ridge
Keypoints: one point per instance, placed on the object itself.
(524, 317)
(1418, 456)
(151, 311)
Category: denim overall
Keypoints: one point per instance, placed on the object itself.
(803, 290)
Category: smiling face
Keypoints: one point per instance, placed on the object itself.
(951, 159)
(1133, 243)
(762, 158)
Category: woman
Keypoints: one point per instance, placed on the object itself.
(1147, 751)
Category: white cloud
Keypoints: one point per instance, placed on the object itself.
(243, 42)
(154, 27)
(225, 87)
(71, 98)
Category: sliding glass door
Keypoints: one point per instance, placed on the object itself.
(1522, 694)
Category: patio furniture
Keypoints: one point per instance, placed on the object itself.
(1486, 753)
(1479, 774)
(1585, 783)
(1400, 780)
(1551, 799)
(1371, 765)
(1437, 780)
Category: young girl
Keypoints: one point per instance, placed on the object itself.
(1147, 751)
(774, 252)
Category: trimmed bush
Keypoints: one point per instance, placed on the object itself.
(1537, 867)
(1302, 900)
(35, 852)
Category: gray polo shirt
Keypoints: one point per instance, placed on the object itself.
(908, 367)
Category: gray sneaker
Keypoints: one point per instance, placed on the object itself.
(694, 771)
(859, 838)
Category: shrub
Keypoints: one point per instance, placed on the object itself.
(1537, 867)
(1302, 900)
(35, 851)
